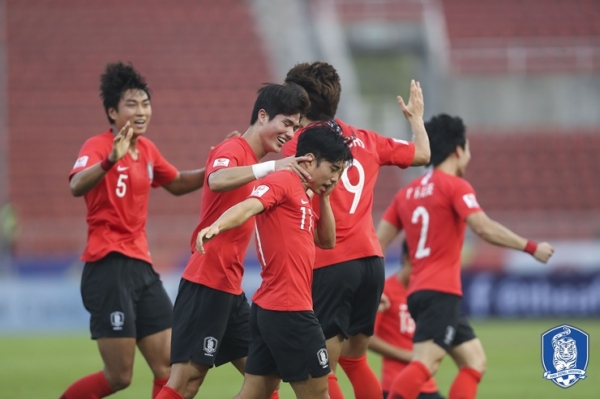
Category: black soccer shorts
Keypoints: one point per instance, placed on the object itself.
(438, 317)
(288, 344)
(346, 296)
(125, 298)
(210, 326)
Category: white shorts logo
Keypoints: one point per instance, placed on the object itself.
(81, 162)
(449, 337)
(117, 319)
(259, 191)
(221, 162)
(323, 357)
(210, 345)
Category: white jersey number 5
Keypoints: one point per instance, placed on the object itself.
(421, 212)
(357, 188)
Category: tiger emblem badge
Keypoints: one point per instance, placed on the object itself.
(565, 353)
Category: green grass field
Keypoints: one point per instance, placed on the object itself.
(43, 366)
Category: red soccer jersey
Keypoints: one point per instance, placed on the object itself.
(352, 199)
(285, 243)
(396, 327)
(432, 210)
(117, 207)
(221, 267)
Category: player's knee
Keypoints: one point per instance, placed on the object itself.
(120, 381)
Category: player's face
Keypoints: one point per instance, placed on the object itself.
(464, 156)
(134, 107)
(325, 175)
(277, 131)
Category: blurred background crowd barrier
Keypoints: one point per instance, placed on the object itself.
(523, 74)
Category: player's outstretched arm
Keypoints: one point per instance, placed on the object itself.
(229, 179)
(386, 232)
(230, 219)
(186, 182)
(384, 348)
(413, 112)
(495, 233)
(85, 180)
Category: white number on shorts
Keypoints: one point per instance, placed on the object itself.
(303, 220)
(422, 213)
(121, 186)
(354, 189)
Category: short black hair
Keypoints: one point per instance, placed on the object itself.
(115, 81)
(325, 141)
(275, 99)
(322, 83)
(445, 134)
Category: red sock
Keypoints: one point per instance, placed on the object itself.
(275, 394)
(335, 392)
(407, 384)
(93, 386)
(168, 393)
(364, 381)
(465, 384)
(157, 386)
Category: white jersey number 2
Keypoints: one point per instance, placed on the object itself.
(421, 213)
(357, 188)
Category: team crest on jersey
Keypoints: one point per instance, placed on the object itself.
(117, 319)
(81, 162)
(323, 357)
(221, 162)
(565, 353)
(150, 171)
(260, 191)
(210, 345)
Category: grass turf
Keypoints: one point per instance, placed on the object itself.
(43, 366)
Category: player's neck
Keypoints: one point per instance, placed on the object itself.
(449, 166)
(252, 137)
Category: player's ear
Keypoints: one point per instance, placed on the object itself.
(263, 117)
(112, 113)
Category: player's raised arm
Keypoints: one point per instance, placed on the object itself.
(230, 219)
(497, 234)
(413, 112)
(85, 180)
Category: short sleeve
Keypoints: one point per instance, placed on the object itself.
(391, 214)
(164, 172)
(394, 151)
(228, 154)
(272, 189)
(92, 152)
(464, 200)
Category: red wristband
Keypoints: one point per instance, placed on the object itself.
(106, 164)
(530, 247)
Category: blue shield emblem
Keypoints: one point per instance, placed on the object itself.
(565, 353)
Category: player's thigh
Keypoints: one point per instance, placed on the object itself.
(187, 377)
(366, 298)
(156, 349)
(428, 353)
(118, 355)
(313, 388)
(469, 354)
(333, 289)
(258, 386)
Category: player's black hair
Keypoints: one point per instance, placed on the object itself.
(115, 81)
(445, 134)
(275, 99)
(322, 83)
(325, 141)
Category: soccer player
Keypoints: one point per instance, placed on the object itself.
(434, 211)
(287, 340)
(211, 311)
(125, 297)
(349, 279)
(394, 329)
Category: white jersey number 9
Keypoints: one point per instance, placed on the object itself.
(357, 188)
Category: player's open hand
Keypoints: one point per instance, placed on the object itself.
(384, 303)
(543, 252)
(293, 164)
(121, 143)
(205, 235)
(415, 107)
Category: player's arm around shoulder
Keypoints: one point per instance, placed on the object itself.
(495, 233)
(186, 181)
